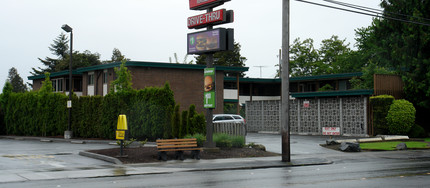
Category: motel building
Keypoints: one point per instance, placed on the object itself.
(342, 108)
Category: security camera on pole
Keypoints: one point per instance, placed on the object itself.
(208, 42)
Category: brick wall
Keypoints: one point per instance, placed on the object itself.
(187, 84)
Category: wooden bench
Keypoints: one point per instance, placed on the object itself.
(178, 146)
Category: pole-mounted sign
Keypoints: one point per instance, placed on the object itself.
(212, 18)
(210, 41)
(205, 4)
(209, 88)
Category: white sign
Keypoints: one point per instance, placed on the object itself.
(331, 130)
(305, 104)
(69, 104)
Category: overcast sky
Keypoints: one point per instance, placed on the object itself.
(153, 30)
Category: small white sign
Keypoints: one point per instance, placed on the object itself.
(331, 130)
(69, 104)
(305, 104)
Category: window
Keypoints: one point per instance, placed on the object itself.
(91, 79)
(54, 85)
(57, 85)
(105, 75)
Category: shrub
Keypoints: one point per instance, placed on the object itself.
(380, 106)
(183, 129)
(401, 117)
(227, 141)
(222, 140)
(176, 122)
(417, 132)
(238, 141)
(198, 124)
(199, 137)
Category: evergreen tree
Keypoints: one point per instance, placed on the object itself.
(59, 48)
(16, 81)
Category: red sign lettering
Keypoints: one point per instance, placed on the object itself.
(211, 18)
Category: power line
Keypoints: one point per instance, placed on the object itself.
(373, 10)
(367, 14)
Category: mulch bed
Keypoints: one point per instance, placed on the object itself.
(150, 154)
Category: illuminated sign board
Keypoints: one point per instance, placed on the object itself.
(209, 88)
(215, 40)
(205, 4)
(211, 18)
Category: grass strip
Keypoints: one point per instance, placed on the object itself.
(390, 146)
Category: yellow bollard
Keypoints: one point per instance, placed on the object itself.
(121, 132)
(122, 122)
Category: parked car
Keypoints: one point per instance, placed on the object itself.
(228, 118)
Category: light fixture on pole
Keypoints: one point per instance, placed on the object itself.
(68, 132)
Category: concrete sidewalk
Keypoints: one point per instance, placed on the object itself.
(118, 169)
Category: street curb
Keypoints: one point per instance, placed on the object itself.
(100, 157)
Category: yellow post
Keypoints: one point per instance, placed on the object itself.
(121, 131)
(122, 122)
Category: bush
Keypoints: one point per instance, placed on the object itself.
(401, 117)
(199, 137)
(183, 129)
(198, 124)
(380, 106)
(227, 141)
(417, 132)
(238, 141)
(176, 122)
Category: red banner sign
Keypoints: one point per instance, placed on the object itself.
(205, 4)
(211, 18)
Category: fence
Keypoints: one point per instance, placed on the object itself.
(235, 129)
(310, 115)
(388, 85)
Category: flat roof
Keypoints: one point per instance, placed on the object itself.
(79, 71)
(332, 93)
(55, 74)
(296, 79)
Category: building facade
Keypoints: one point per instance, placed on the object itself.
(186, 80)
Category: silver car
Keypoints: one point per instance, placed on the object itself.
(228, 118)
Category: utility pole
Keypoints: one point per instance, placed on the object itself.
(285, 84)
(260, 70)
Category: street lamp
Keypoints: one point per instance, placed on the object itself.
(68, 133)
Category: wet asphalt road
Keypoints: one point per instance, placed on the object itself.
(370, 171)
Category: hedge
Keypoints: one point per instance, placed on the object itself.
(148, 113)
(380, 106)
(35, 114)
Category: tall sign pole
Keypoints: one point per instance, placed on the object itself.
(208, 42)
(285, 85)
(209, 111)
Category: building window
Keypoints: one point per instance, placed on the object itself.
(57, 85)
(105, 79)
(91, 79)
(54, 85)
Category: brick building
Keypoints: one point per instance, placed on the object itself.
(186, 80)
